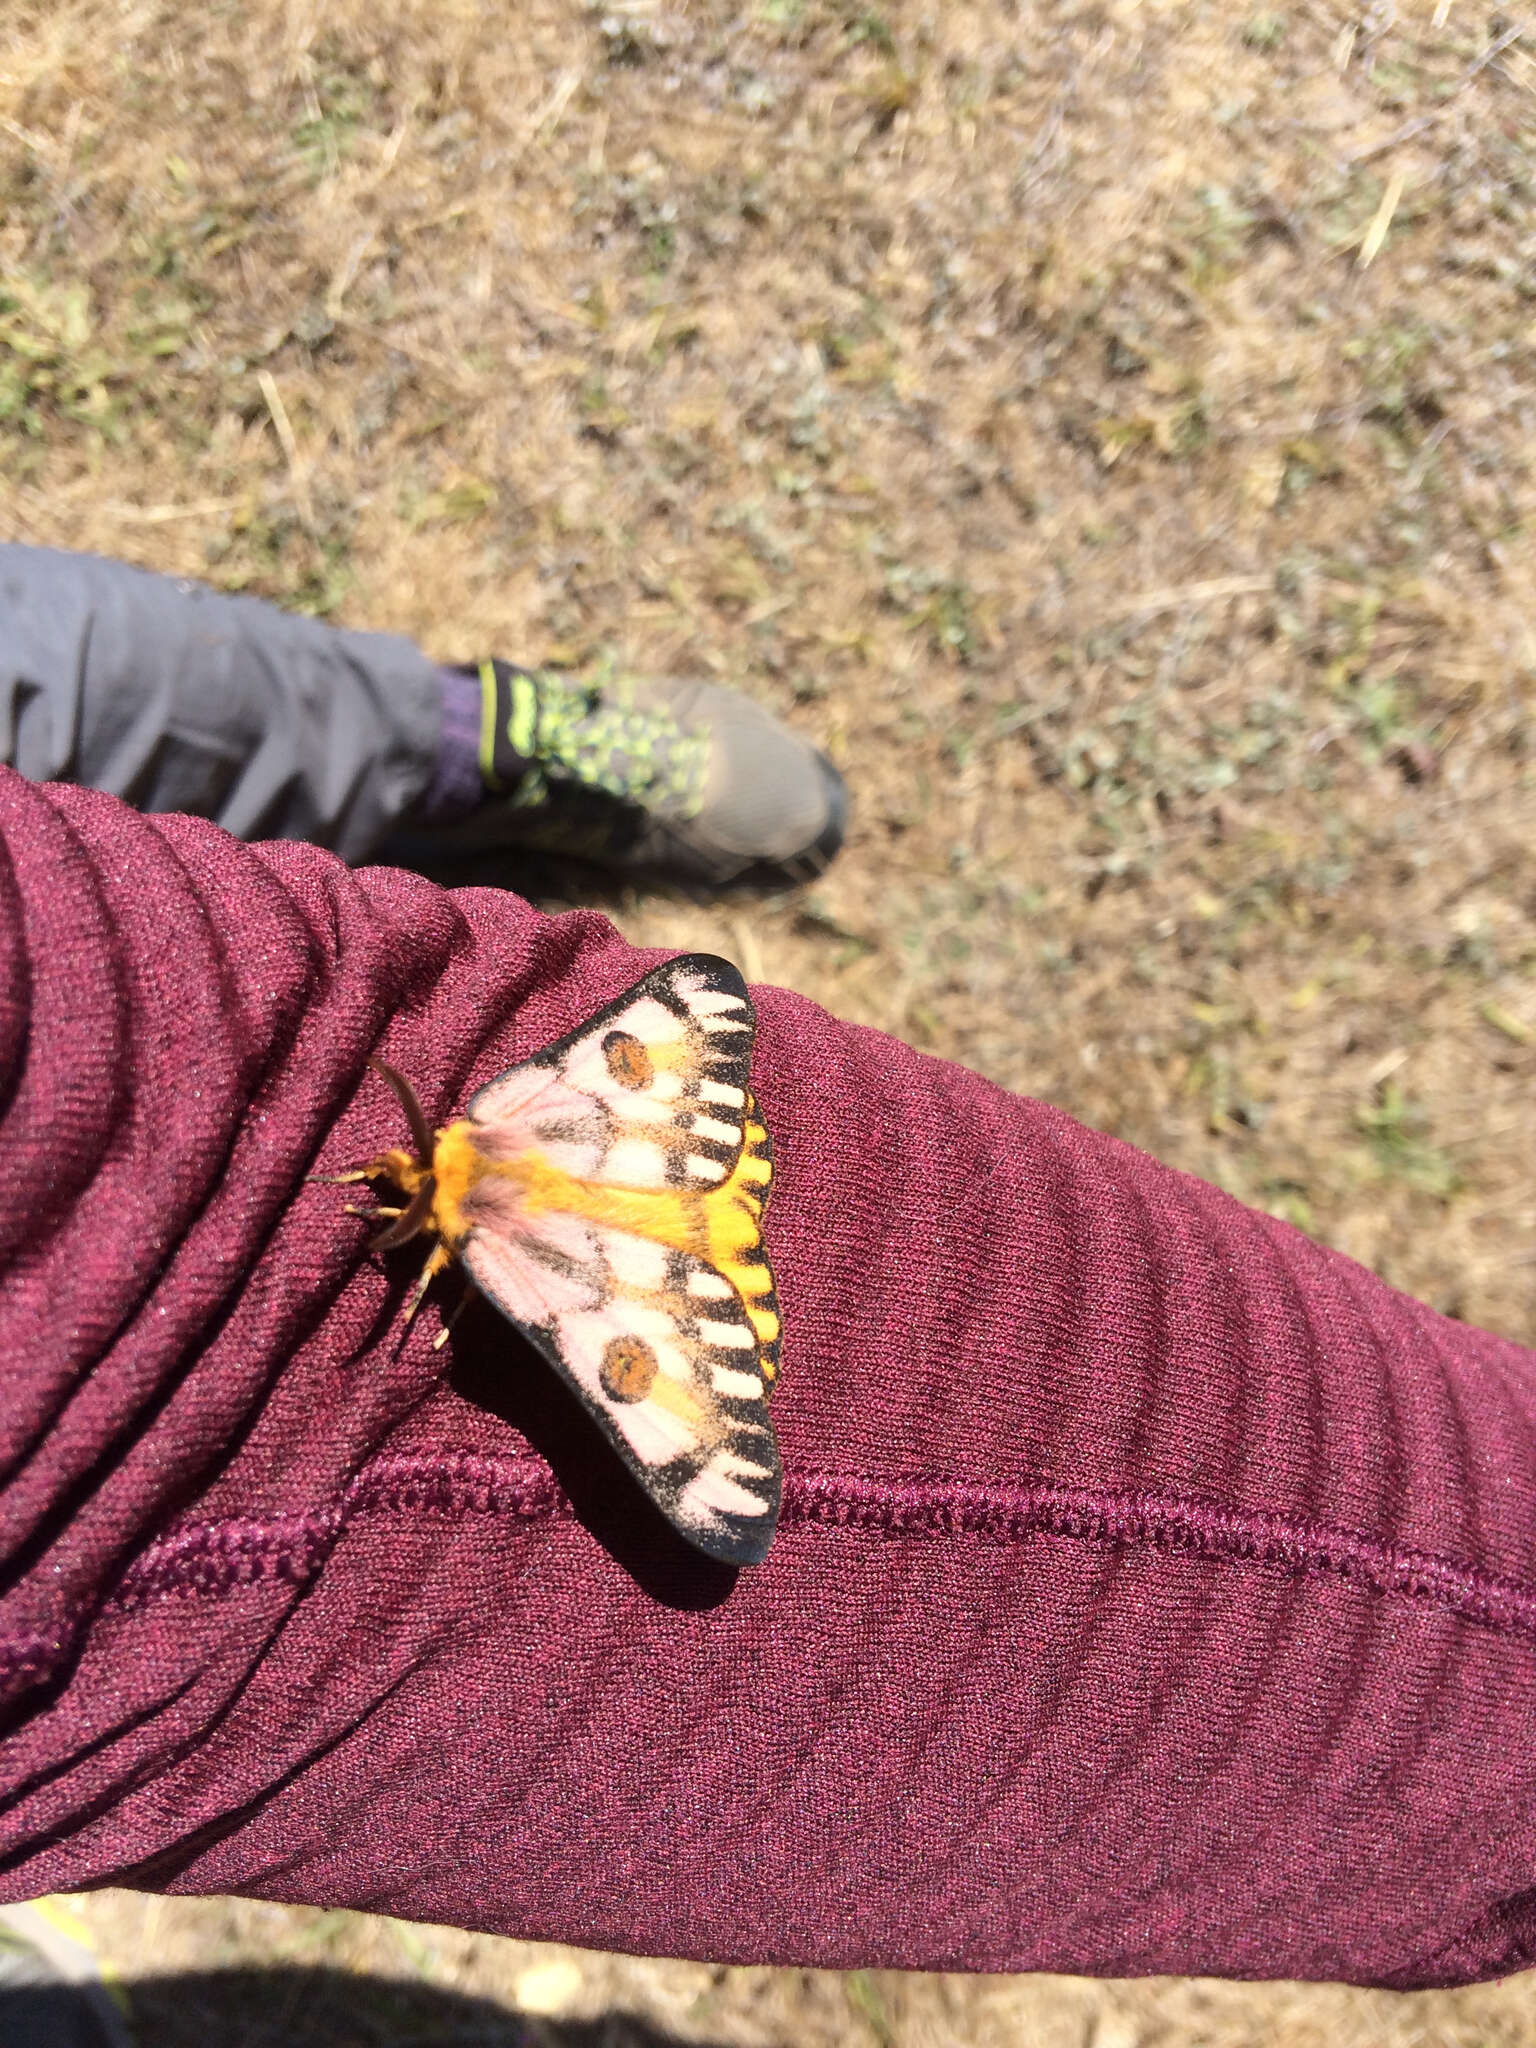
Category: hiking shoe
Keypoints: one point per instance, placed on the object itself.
(677, 779)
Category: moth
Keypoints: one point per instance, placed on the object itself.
(607, 1196)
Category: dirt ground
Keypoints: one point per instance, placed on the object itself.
(1105, 424)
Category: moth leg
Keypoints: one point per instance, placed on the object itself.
(341, 1180)
(447, 1330)
(439, 1257)
(352, 1209)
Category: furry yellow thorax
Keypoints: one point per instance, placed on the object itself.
(721, 1225)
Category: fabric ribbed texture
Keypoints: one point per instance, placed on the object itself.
(1153, 1590)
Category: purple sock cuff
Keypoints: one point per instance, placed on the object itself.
(456, 787)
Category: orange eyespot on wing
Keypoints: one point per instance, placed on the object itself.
(629, 1368)
(607, 1195)
(627, 1060)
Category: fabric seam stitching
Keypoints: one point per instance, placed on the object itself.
(458, 1485)
(219, 1557)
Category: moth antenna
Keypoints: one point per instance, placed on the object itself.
(421, 1130)
(410, 1220)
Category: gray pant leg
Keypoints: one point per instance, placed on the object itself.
(178, 699)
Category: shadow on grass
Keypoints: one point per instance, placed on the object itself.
(558, 882)
(539, 877)
(298, 2008)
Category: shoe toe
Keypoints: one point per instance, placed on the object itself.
(816, 856)
(772, 797)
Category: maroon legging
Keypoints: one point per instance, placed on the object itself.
(1153, 1590)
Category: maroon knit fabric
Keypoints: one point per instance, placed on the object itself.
(1153, 1589)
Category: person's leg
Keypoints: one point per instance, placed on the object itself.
(1152, 1589)
(177, 698)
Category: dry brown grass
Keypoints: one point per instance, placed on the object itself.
(247, 1975)
(1002, 392)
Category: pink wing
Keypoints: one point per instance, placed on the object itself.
(637, 1267)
